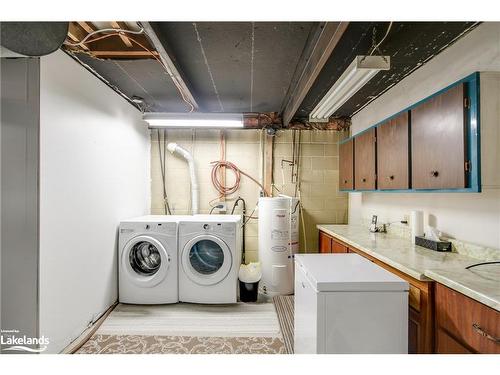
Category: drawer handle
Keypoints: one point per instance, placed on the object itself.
(345, 181)
(391, 177)
(363, 179)
(483, 333)
(435, 173)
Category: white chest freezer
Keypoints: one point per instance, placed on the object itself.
(346, 304)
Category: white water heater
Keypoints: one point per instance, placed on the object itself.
(278, 242)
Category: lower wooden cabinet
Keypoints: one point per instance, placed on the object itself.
(464, 325)
(328, 244)
(440, 320)
(325, 243)
(339, 247)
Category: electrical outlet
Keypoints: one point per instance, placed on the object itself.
(222, 207)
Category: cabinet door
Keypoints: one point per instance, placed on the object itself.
(364, 160)
(393, 154)
(325, 243)
(445, 344)
(346, 165)
(338, 248)
(413, 331)
(438, 142)
(470, 323)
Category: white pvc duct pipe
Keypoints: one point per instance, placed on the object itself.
(174, 148)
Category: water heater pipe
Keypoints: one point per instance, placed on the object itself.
(174, 148)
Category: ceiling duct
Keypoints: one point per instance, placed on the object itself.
(31, 39)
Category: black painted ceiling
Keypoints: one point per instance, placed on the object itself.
(248, 67)
(410, 45)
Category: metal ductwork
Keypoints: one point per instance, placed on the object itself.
(31, 39)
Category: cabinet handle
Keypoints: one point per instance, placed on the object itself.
(345, 181)
(391, 177)
(434, 173)
(303, 285)
(483, 333)
(363, 179)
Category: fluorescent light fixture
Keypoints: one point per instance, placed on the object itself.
(359, 72)
(193, 120)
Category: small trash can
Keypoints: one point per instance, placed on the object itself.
(249, 291)
(249, 277)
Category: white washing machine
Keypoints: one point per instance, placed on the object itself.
(209, 258)
(147, 256)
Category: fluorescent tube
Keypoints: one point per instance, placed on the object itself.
(193, 120)
(359, 72)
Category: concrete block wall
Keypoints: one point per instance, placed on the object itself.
(319, 180)
(318, 172)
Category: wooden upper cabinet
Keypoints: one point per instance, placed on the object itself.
(346, 165)
(364, 160)
(438, 141)
(393, 154)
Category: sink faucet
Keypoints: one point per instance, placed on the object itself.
(382, 228)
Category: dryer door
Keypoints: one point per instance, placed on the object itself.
(206, 260)
(145, 261)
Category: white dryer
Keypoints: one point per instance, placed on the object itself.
(209, 258)
(147, 260)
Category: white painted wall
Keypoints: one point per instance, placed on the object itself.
(94, 171)
(469, 217)
(19, 92)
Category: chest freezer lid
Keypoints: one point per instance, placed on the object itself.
(347, 273)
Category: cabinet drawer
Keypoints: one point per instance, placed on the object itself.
(467, 321)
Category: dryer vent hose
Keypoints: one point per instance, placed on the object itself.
(174, 148)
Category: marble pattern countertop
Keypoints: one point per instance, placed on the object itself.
(480, 283)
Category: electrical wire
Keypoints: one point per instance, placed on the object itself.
(243, 226)
(221, 187)
(481, 264)
(249, 217)
(176, 84)
(382, 40)
(100, 31)
(301, 212)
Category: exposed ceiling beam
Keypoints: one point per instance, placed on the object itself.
(121, 25)
(172, 69)
(86, 26)
(315, 55)
(76, 34)
(123, 54)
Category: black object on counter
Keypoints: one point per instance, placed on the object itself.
(249, 291)
(432, 244)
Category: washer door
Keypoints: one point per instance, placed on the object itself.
(206, 260)
(145, 261)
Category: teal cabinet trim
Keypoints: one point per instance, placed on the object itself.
(472, 129)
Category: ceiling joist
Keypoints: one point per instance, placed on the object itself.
(118, 46)
(172, 68)
(123, 37)
(315, 55)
